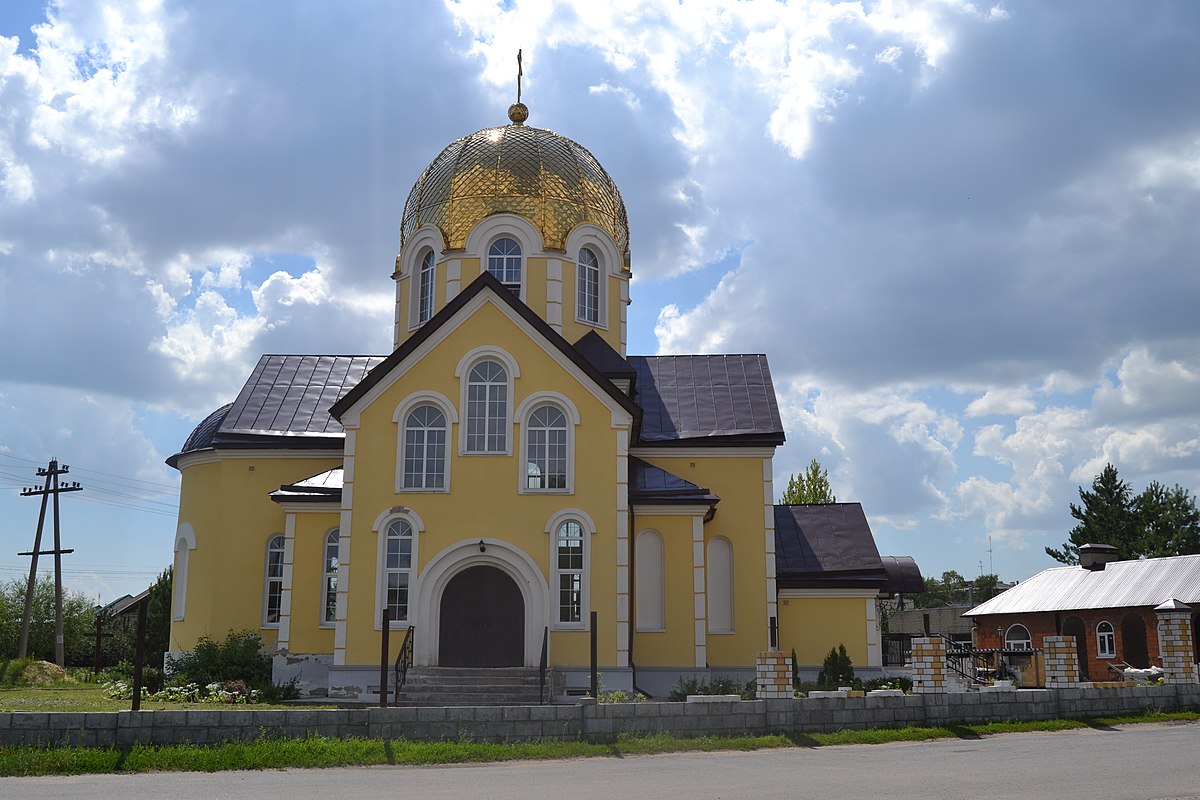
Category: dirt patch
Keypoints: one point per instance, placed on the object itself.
(43, 673)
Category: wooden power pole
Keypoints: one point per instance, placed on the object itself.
(52, 488)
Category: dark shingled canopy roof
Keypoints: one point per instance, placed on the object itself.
(831, 546)
(725, 399)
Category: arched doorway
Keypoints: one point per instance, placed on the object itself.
(1133, 641)
(482, 620)
(1073, 626)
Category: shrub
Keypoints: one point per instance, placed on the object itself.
(688, 686)
(238, 658)
(837, 670)
(900, 682)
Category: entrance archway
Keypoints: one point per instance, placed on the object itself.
(482, 620)
(1133, 641)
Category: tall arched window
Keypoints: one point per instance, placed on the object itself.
(425, 449)
(648, 581)
(273, 582)
(587, 291)
(1017, 638)
(546, 449)
(329, 571)
(487, 408)
(425, 289)
(397, 568)
(504, 262)
(720, 586)
(1106, 640)
(568, 568)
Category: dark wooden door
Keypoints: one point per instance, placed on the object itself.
(1133, 641)
(483, 620)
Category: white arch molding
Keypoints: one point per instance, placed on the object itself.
(431, 583)
(185, 542)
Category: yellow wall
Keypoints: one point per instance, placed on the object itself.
(814, 625)
(227, 503)
(307, 633)
(674, 646)
(483, 501)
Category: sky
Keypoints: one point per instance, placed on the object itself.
(964, 233)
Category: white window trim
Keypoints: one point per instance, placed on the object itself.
(585, 606)
(1111, 635)
(426, 239)
(530, 404)
(660, 581)
(185, 542)
(419, 285)
(1027, 642)
(321, 621)
(266, 591)
(380, 527)
(463, 372)
(602, 246)
(498, 226)
(400, 416)
(710, 594)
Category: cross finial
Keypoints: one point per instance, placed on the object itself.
(520, 72)
(518, 112)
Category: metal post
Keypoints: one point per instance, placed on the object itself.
(773, 637)
(139, 657)
(595, 669)
(383, 658)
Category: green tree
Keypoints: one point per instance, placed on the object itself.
(810, 486)
(78, 616)
(949, 590)
(985, 587)
(1157, 522)
(837, 669)
(158, 619)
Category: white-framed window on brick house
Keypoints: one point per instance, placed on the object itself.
(504, 261)
(587, 287)
(1106, 640)
(273, 582)
(329, 571)
(487, 408)
(719, 566)
(425, 288)
(648, 581)
(1017, 638)
(424, 449)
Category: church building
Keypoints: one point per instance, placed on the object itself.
(508, 471)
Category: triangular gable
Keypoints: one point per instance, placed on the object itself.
(487, 286)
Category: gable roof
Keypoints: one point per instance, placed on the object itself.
(485, 282)
(831, 546)
(1121, 584)
(707, 400)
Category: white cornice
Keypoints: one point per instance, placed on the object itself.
(296, 507)
(211, 456)
(663, 510)
(702, 452)
(817, 594)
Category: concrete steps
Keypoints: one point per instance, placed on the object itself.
(469, 686)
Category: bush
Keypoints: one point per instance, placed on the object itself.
(12, 673)
(895, 682)
(837, 670)
(238, 658)
(688, 686)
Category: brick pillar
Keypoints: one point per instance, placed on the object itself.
(1175, 642)
(1062, 661)
(774, 675)
(929, 665)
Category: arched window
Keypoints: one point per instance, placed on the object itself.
(425, 289)
(273, 582)
(546, 449)
(487, 408)
(398, 553)
(425, 449)
(184, 543)
(1106, 640)
(1017, 638)
(568, 568)
(720, 586)
(329, 571)
(648, 581)
(587, 291)
(504, 262)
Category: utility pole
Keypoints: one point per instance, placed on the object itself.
(51, 488)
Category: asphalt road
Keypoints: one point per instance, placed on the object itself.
(1142, 761)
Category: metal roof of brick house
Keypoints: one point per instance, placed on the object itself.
(1121, 584)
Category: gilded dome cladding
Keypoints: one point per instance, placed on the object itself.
(548, 179)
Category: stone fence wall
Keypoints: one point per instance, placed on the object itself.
(588, 721)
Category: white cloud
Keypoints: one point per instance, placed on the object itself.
(1010, 401)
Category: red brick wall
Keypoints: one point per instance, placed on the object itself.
(1043, 624)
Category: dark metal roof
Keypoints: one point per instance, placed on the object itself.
(831, 546)
(723, 399)
(202, 435)
(600, 353)
(485, 281)
(324, 487)
(904, 576)
(651, 484)
(1120, 584)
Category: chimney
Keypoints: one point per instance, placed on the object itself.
(1095, 556)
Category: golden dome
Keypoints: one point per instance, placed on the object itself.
(548, 179)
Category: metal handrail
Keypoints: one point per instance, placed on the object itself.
(543, 664)
(955, 653)
(404, 660)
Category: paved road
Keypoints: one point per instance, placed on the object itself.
(1142, 762)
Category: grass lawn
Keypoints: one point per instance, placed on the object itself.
(90, 697)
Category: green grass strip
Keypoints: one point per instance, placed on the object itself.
(317, 751)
